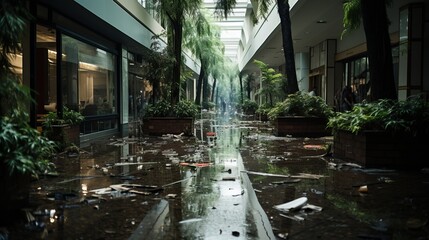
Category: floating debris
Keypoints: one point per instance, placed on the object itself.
(192, 220)
(292, 205)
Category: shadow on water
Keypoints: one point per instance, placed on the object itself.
(223, 183)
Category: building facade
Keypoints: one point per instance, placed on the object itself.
(327, 60)
(89, 56)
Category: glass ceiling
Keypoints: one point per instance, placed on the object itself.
(231, 27)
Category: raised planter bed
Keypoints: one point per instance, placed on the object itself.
(300, 126)
(65, 135)
(378, 149)
(158, 126)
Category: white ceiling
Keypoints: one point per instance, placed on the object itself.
(306, 31)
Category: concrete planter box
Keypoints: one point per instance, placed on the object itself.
(168, 125)
(298, 126)
(65, 135)
(378, 149)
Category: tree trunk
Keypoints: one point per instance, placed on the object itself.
(206, 89)
(175, 84)
(241, 88)
(374, 17)
(292, 82)
(213, 90)
(199, 86)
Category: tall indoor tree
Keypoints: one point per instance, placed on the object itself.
(262, 9)
(376, 26)
(174, 13)
(202, 39)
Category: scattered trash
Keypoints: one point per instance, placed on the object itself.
(363, 189)
(314, 147)
(171, 196)
(190, 220)
(312, 207)
(294, 217)
(228, 179)
(283, 235)
(202, 164)
(169, 184)
(316, 191)
(416, 223)
(301, 175)
(286, 181)
(292, 205)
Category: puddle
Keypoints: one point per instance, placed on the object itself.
(222, 186)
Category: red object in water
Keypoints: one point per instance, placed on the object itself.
(314, 147)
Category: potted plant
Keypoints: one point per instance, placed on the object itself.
(65, 130)
(263, 111)
(301, 115)
(248, 108)
(383, 133)
(162, 118)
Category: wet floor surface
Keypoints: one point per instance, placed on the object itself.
(222, 187)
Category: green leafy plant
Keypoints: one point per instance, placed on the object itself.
(163, 108)
(23, 150)
(69, 117)
(249, 106)
(185, 108)
(301, 104)
(264, 108)
(410, 116)
(208, 105)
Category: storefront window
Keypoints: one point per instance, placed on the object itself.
(357, 76)
(88, 78)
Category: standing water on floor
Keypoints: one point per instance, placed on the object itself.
(222, 183)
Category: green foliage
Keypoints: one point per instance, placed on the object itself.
(249, 106)
(208, 105)
(70, 117)
(264, 109)
(410, 116)
(163, 108)
(159, 109)
(185, 108)
(271, 82)
(22, 148)
(301, 104)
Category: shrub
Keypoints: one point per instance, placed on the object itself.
(70, 117)
(409, 116)
(163, 108)
(301, 104)
(185, 109)
(249, 106)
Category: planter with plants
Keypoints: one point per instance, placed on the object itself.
(161, 118)
(248, 109)
(65, 130)
(262, 112)
(383, 133)
(301, 115)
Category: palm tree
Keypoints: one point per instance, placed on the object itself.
(202, 38)
(174, 13)
(262, 7)
(375, 23)
(271, 81)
